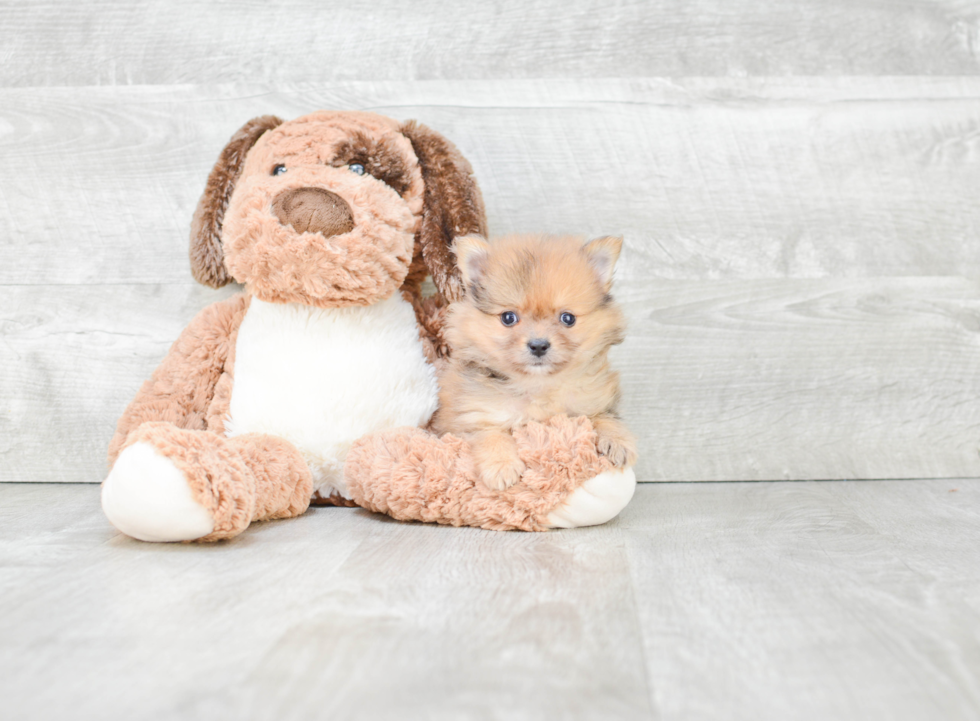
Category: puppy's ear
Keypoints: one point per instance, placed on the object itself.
(453, 205)
(207, 255)
(471, 252)
(603, 254)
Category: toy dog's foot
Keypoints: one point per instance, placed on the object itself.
(147, 497)
(413, 475)
(596, 501)
(170, 484)
(567, 447)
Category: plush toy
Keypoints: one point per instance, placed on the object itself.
(331, 222)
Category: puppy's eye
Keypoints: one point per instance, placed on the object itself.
(356, 168)
(567, 319)
(508, 318)
(279, 170)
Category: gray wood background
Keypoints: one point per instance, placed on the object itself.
(797, 184)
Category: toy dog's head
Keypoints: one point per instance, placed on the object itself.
(333, 209)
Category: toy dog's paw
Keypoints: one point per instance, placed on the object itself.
(621, 451)
(501, 472)
(147, 497)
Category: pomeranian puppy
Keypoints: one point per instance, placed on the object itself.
(530, 340)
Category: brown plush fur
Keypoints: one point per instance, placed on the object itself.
(181, 390)
(358, 267)
(453, 205)
(431, 316)
(413, 475)
(313, 210)
(207, 257)
(494, 383)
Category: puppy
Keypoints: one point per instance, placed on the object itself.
(530, 340)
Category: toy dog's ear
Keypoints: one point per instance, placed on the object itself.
(207, 255)
(453, 205)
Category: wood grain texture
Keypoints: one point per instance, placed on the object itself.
(339, 614)
(706, 178)
(73, 357)
(809, 600)
(701, 601)
(803, 379)
(723, 380)
(106, 42)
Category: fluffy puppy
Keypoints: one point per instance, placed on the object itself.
(530, 340)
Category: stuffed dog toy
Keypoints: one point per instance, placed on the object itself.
(331, 222)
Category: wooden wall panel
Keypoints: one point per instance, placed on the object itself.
(106, 42)
(796, 185)
(803, 379)
(706, 179)
(72, 357)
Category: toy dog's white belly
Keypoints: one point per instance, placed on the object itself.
(324, 377)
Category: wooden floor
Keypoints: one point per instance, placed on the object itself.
(809, 600)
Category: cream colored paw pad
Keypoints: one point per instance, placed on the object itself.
(145, 496)
(596, 501)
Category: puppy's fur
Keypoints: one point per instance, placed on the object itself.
(506, 370)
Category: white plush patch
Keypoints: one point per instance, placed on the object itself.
(323, 377)
(145, 496)
(598, 500)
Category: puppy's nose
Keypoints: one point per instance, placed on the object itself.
(313, 210)
(538, 346)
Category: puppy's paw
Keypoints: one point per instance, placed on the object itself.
(621, 451)
(501, 472)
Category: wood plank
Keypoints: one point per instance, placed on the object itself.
(338, 614)
(701, 601)
(723, 380)
(803, 379)
(57, 43)
(73, 357)
(809, 600)
(515, 624)
(708, 179)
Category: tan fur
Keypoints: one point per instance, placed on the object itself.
(220, 406)
(359, 267)
(494, 385)
(181, 390)
(413, 475)
(238, 480)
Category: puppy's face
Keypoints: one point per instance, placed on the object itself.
(535, 305)
(325, 212)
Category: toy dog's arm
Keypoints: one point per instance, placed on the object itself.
(183, 385)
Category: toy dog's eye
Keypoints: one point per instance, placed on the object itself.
(567, 319)
(508, 318)
(356, 168)
(279, 170)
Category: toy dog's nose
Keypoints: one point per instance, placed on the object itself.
(313, 210)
